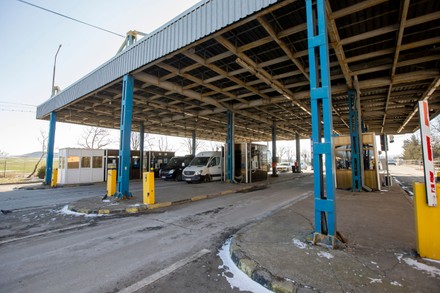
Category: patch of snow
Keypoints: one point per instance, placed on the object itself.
(239, 279)
(325, 254)
(432, 260)
(106, 200)
(375, 281)
(399, 257)
(65, 211)
(395, 283)
(375, 263)
(432, 271)
(298, 243)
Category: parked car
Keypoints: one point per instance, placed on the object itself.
(392, 162)
(284, 167)
(205, 167)
(173, 170)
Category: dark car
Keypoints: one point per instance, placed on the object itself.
(173, 170)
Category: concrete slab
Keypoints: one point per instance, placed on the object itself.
(378, 256)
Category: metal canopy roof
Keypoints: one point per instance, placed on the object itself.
(250, 57)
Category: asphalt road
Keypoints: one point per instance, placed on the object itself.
(406, 176)
(170, 251)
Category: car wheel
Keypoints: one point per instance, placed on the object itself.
(179, 177)
(207, 178)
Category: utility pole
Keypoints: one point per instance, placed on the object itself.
(53, 76)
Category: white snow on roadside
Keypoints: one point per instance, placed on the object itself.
(395, 283)
(432, 271)
(298, 243)
(239, 279)
(399, 257)
(325, 254)
(375, 281)
(65, 211)
(432, 260)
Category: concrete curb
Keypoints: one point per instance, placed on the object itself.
(145, 208)
(141, 208)
(261, 275)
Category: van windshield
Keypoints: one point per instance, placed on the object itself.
(174, 163)
(199, 161)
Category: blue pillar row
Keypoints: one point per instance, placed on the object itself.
(193, 146)
(322, 123)
(355, 139)
(50, 148)
(124, 145)
(141, 147)
(274, 150)
(230, 147)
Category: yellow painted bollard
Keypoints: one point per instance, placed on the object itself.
(148, 188)
(427, 223)
(111, 182)
(54, 181)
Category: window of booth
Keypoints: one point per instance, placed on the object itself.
(73, 162)
(61, 163)
(85, 162)
(97, 162)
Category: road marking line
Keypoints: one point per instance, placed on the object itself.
(43, 233)
(162, 273)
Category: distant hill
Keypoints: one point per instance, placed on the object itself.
(35, 155)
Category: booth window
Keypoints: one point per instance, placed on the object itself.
(73, 162)
(97, 162)
(85, 162)
(61, 164)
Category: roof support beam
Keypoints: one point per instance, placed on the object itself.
(337, 46)
(391, 28)
(225, 74)
(266, 25)
(403, 17)
(426, 96)
(260, 73)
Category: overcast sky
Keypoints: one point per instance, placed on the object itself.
(30, 38)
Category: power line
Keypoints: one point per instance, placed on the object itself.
(14, 110)
(71, 18)
(21, 104)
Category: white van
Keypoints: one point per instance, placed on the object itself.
(205, 167)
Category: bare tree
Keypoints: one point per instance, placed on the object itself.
(214, 146)
(187, 144)
(281, 152)
(135, 140)
(162, 143)
(43, 142)
(95, 138)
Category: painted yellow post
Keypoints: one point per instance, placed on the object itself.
(111, 182)
(54, 178)
(427, 223)
(148, 188)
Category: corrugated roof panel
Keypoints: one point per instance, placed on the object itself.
(197, 22)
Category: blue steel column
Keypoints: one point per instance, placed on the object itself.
(274, 150)
(50, 147)
(298, 152)
(356, 177)
(141, 148)
(321, 104)
(124, 146)
(193, 146)
(230, 147)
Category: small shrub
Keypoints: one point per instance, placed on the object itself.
(41, 172)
